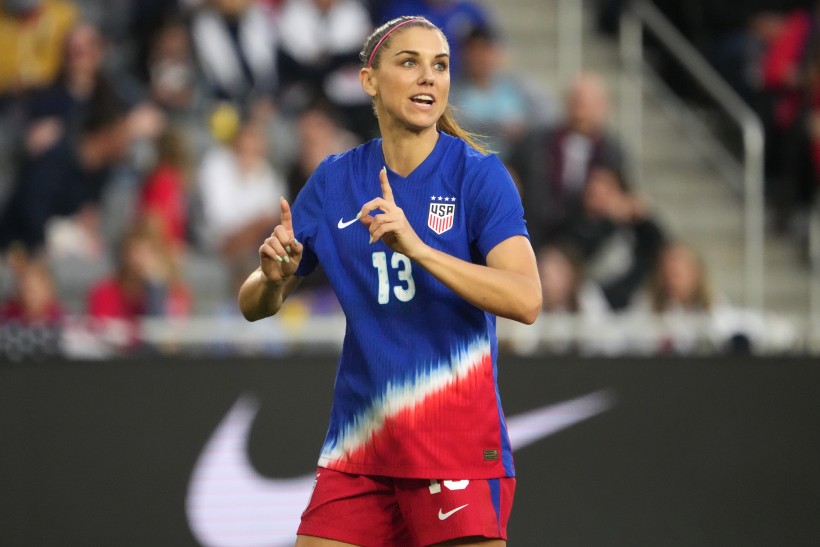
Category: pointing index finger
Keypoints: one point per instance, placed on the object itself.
(287, 218)
(387, 192)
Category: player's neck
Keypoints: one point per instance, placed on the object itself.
(404, 151)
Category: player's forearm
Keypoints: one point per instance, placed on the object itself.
(505, 293)
(260, 298)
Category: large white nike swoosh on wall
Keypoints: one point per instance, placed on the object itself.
(532, 426)
(229, 504)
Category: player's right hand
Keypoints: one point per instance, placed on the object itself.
(280, 254)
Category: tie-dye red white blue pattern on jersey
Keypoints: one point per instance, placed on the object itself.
(416, 392)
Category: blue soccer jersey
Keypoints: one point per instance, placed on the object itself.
(415, 393)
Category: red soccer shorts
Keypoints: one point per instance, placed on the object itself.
(374, 511)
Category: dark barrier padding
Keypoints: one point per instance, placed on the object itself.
(682, 452)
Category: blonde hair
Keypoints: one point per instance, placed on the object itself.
(702, 298)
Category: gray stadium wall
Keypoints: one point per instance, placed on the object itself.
(674, 452)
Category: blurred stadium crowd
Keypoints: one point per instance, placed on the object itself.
(145, 143)
(768, 51)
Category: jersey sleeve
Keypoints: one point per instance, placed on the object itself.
(496, 212)
(307, 217)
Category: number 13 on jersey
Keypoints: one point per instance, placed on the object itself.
(402, 268)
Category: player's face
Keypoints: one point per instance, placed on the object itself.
(411, 85)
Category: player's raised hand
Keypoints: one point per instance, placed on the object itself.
(280, 254)
(387, 191)
(391, 225)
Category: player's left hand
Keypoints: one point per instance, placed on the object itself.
(390, 226)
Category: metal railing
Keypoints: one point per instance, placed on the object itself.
(632, 334)
(641, 15)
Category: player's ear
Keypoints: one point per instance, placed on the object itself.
(367, 77)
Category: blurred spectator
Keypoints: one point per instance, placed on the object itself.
(32, 36)
(553, 163)
(456, 18)
(31, 318)
(791, 71)
(729, 34)
(85, 85)
(615, 236)
(575, 315)
(564, 285)
(319, 134)
(81, 86)
(235, 42)
(239, 192)
(163, 198)
(490, 101)
(319, 49)
(146, 283)
(171, 69)
(692, 318)
(66, 180)
(35, 299)
(765, 50)
(680, 281)
(145, 20)
(737, 39)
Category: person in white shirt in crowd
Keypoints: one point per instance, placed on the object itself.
(235, 43)
(239, 193)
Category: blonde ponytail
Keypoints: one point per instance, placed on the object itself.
(448, 124)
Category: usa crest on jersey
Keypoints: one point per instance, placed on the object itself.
(442, 213)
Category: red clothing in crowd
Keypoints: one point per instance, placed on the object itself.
(782, 67)
(14, 311)
(108, 299)
(163, 197)
(790, 72)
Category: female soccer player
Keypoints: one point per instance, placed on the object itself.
(422, 236)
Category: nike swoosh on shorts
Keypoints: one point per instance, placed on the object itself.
(450, 513)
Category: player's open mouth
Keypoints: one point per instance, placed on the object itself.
(423, 99)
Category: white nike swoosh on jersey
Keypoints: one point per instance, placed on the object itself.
(448, 514)
(230, 504)
(342, 224)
